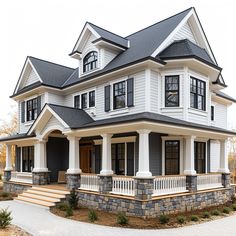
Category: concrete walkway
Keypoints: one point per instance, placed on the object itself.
(39, 221)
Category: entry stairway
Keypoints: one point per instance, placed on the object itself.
(43, 196)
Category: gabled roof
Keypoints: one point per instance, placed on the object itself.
(186, 49)
(51, 74)
(109, 36)
(73, 117)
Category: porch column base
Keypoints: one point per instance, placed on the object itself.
(226, 180)
(72, 181)
(224, 170)
(142, 174)
(143, 188)
(7, 175)
(106, 172)
(40, 178)
(190, 172)
(105, 183)
(191, 183)
(74, 171)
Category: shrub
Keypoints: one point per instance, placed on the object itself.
(206, 214)
(215, 213)
(164, 219)
(234, 207)
(5, 194)
(5, 218)
(226, 210)
(69, 212)
(194, 218)
(73, 199)
(92, 216)
(122, 219)
(62, 206)
(180, 219)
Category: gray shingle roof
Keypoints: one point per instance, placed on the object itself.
(142, 44)
(185, 48)
(105, 34)
(16, 136)
(71, 116)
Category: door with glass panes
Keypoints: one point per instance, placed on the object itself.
(172, 153)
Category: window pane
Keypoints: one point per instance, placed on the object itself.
(92, 99)
(90, 61)
(119, 95)
(171, 91)
(84, 100)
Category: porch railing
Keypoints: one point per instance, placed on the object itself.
(209, 181)
(22, 177)
(123, 185)
(89, 182)
(169, 185)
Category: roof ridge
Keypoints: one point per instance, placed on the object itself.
(51, 62)
(159, 22)
(107, 30)
(77, 68)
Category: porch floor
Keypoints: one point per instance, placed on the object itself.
(55, 186)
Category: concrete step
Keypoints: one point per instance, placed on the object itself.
(35, 201)
(49, 190)
(47, 194)
(39, 197)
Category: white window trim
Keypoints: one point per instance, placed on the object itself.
(90, 49)
(83, 92)
(204, 140)
(29, 122)
(181, 152)
(125, 109)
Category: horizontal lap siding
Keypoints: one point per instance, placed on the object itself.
(214, 155)
(220, 115)
(155, 94)
(199, 119)
(32, 78)
(55, 99)
(108, 56)
(52, 122)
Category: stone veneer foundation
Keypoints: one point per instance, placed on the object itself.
(40, 178)
(14, 187)
(171, 204)
(72, 181)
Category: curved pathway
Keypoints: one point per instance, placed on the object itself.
(39, 221)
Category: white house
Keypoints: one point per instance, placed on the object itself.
(146, 105)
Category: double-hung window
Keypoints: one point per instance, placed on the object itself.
(172, 91)
(31, 109)
(85, 100)
(119, 95)
(197, 94)
(77, 101)
(92, 98)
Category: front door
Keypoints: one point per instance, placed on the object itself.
(172, 157)
(85, 159)
(200, 157)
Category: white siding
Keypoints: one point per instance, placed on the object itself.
(220, 115)
(53, 122)
(214, 156)
(185, 33)
(32, 78)
(55, 99)
(155, 91)
(108, 56)
(198, 117)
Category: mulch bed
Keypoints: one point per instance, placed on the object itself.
(13, 230)
(110, 219)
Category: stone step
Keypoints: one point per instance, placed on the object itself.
(35, 201)
(47, 194)
(40, 197)
(49, 190)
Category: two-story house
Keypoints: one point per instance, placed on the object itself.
(136, 108)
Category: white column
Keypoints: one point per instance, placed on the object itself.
(74, 165)
(8, 157)
(40, 160)
(143, 161)
(106, 155)
(223, 157)
(189, 156)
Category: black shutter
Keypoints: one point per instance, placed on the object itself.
(18, 158)
(130, 159)
(107, 98)
(130, 92)
(38, 105)
(98, 158)
(23, 112)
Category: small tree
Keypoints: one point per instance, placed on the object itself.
(5, 218)
(73, 199)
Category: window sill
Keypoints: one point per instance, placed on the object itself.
(28, 123)
(197, 112)
(172, 109)
(89, 72)
(119, 111)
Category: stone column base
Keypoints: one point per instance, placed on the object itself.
(143, 188)
(7, 175)
(191, 183)
(41, 178)
(226, 180)
(72, 181)
(105, 183)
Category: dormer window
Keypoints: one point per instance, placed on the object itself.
(90, 61)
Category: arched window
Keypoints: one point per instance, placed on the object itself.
(90, 61)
